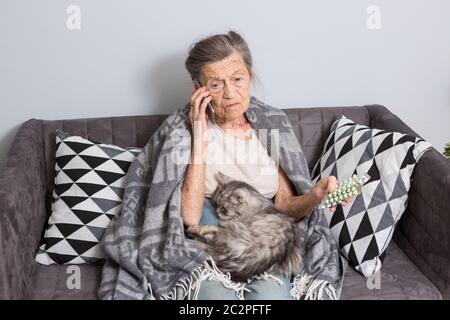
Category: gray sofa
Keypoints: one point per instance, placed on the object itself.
(417, 265)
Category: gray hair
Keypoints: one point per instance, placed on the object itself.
(215, 48)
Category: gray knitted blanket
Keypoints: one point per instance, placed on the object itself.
(149, 256)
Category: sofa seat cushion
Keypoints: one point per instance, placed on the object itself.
(51, 282)
(399, 280)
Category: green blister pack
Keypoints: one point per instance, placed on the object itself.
(347, 188)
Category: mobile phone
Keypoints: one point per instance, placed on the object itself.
(209, 107)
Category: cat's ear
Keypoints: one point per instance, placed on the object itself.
(236, 199)
(222, 178)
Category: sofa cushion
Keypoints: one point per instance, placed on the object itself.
(89, 185)
(59, 282)
(365, 226)
(400, 279)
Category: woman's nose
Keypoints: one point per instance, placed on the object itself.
(229, 90)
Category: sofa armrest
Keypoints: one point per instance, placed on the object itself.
(23, 210)
(423, 232)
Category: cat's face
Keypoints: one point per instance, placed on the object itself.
(236, 198)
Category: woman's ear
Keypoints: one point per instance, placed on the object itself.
(222, 178)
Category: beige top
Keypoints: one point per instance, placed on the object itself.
(243, 159)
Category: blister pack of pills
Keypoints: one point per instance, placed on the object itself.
(347, 188)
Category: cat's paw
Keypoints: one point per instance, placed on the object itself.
(192, 229)
(194, 232)
(203, 233)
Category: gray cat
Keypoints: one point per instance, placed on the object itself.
(252, 236)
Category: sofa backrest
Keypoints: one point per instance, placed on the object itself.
(130, 131)
(311, 126)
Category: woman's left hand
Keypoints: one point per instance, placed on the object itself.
(325, 186)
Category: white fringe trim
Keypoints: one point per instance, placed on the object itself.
(266, 276)
(152, 297)
(189, 287)
(304, 286)
(211, 272)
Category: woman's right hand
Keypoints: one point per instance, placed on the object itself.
(199, 121)
(198, 116)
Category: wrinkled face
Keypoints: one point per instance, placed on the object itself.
(228, 82)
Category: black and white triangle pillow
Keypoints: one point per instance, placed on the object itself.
(364, 227)
(89, 185)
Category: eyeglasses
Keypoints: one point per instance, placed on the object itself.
(216, 86)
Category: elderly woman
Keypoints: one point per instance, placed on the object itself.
(223, 65)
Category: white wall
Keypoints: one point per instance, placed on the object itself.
(128, 57)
